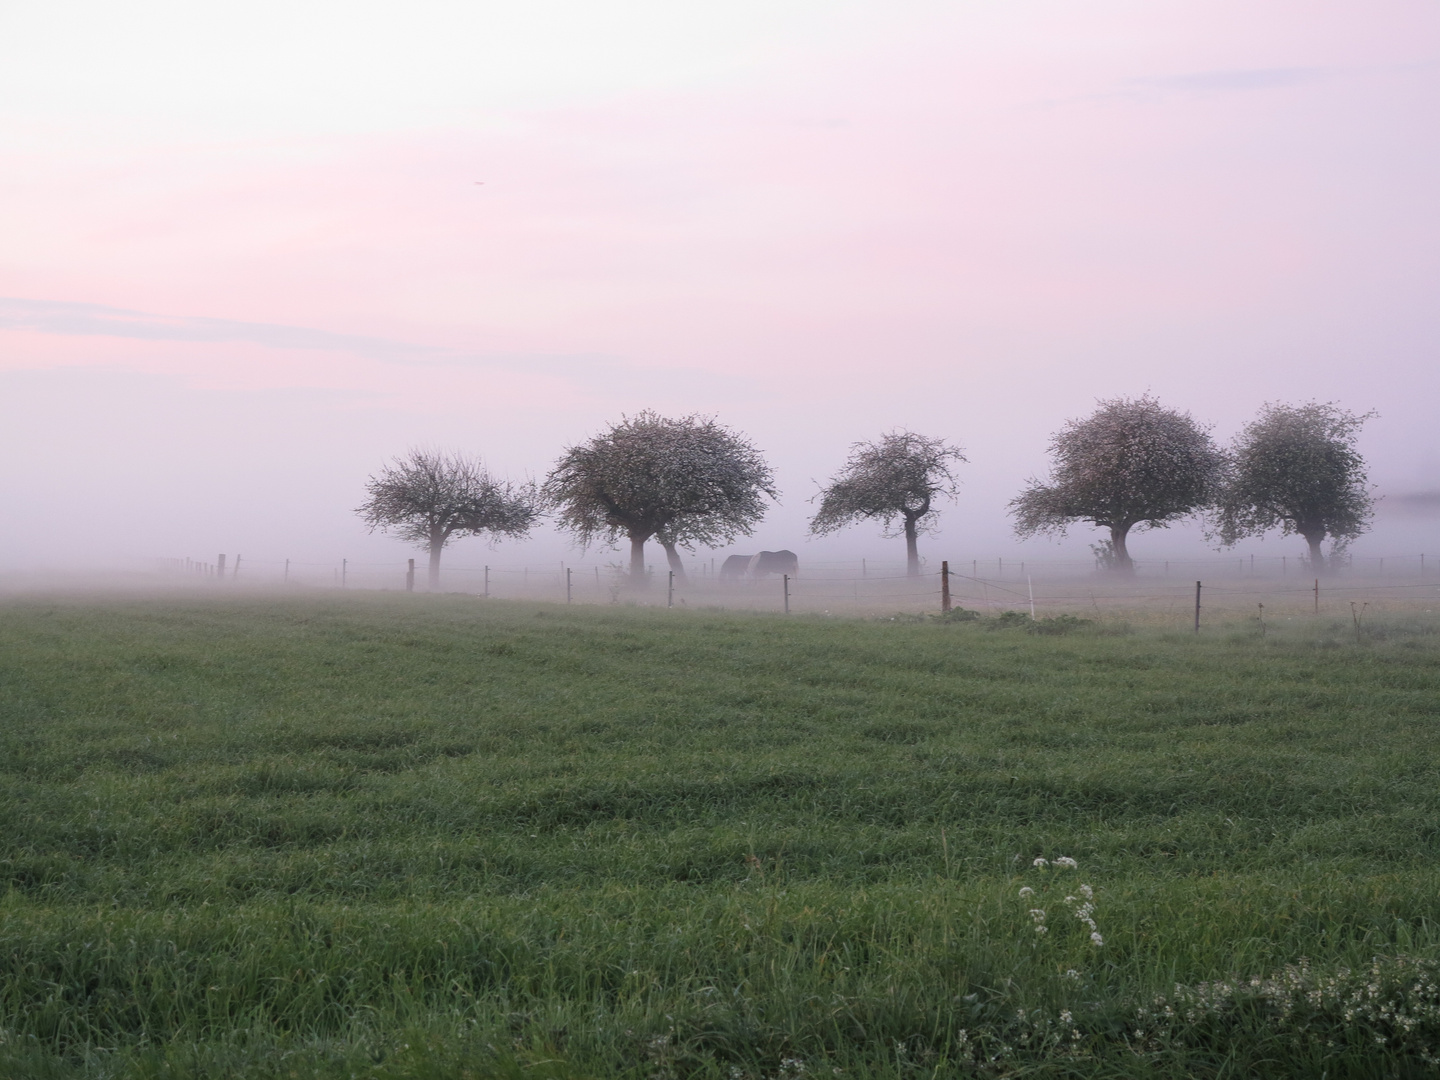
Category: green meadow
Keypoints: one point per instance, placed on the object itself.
(409, 836)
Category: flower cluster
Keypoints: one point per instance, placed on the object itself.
(1393, 1003)
(1085, 912)
(1391, 1006)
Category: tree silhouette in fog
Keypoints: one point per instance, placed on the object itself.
(1132, 463)
(682, 482)
(895, 481)
(1295, 468)
(431, 497)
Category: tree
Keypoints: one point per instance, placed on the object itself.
(430, 497)
(1131, 463)
(682, 482)
(1295, 467)
(894, 481)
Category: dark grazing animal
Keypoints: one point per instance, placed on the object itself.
(733, 569)
(774, 562)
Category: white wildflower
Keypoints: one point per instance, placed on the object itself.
(1087, 892)
(1067, 862)
(1027, 891)
(1096, 939)
(1041, 862)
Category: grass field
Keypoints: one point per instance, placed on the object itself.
(411, 836)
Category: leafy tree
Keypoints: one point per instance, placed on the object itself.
(1131, 463)
(1295, 468)
(682, 482)
(430, 497)
(895, 481)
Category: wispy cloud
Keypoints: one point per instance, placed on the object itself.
(1229, 80)
(590, 372)
(73, 319)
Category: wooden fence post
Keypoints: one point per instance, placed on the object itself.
(236, 572)
(567, 585)
(1317, 596)
(287, 571)
(670, 591)
(786, 584)
(1197, 607)
(945, 587)
(410, 577)
(220, 562)
(487, 581)
(344, 573)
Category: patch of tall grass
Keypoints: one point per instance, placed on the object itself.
(433, 836)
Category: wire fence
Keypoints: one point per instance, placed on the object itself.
(1168, 591)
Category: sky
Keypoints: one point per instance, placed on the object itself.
(249, 252)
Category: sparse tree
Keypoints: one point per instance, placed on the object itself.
(895, 481)
(1295, 468)
(680, 481)
(431, 497)
(1132, 463)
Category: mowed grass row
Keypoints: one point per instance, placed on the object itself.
(432, 836)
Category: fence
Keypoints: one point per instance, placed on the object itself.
(1277, 587)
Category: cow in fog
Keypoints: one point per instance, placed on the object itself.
(773, 562)
(734, 568)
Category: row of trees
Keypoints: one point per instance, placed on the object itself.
(1135, 464)
(1132, 464)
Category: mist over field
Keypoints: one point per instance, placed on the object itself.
(243, 269)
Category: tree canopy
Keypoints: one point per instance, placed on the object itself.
(1296, 468)
(895, 480)
(1132, 463)
(429, 497)
(682, 482)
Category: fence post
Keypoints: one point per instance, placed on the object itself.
(1317, 596)
(945, 587)
(670, 591)
(1197, 607)
(786, 584)
(344, 573)
(567, 585)
(287, 571)
(487, 581)
(864, 569)
(1031, 586)
(410, 577)
(220, 562)
(236, 572)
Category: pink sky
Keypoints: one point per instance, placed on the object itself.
(245, 256)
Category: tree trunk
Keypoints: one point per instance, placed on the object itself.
(912, 550)
(637, 561)
(1317, 557)
(437, 542)
(1123, 563)
(673, 558)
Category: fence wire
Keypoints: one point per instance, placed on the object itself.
(1159, 590)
